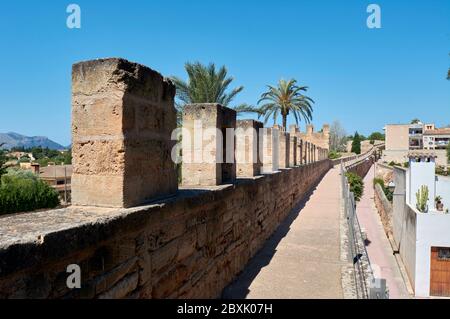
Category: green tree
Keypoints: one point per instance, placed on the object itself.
(284, 99)
(376, 136)
(415, 121)
(206, 84)
(356, 144)
(22, 191)
(338, 138)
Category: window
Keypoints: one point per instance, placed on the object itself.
(444, 254)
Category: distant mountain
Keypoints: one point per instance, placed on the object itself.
(17, 140)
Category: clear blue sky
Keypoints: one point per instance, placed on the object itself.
(364, 78)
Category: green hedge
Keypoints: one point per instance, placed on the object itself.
(23, 192)
(334, 155)
(356, 185)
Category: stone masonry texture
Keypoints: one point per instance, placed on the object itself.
(284, 149)
(248, 161)
(205, 158)
(384, 208)
(190, 246)
(122, 118)
(270, 150)
(293, 151)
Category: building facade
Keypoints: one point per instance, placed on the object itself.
(422, 237)
(436, 139)
(403, 138)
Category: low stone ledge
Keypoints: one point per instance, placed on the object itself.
(384, 208)
(187, 246)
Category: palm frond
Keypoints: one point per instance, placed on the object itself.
(284, 99)
(207, 84)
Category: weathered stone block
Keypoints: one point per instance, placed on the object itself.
(109, 279)
(293, 151)
(284, 150)
(248, 161)
(124, 255)
(320, 139)
(270, 150)
(300, 150)
(122, 288)
(208, 147)
(123, 116)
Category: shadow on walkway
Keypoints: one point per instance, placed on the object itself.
(239, 288)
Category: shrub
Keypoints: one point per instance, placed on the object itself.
(387, 192)
(334, 155)
(378, 181)
(440, 170)
(356, 185)
(392, 163)
(377, 136)
(3, 161)
(22, 192)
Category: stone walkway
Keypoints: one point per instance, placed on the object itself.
(379, 250)
(302, 258)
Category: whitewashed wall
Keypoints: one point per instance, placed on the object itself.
(415, 232)
(433, 230)
(404, 223)
(422, 173)
(443, 190)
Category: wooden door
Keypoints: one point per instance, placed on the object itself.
(440, 272)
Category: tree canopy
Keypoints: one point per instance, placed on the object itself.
(377, 136)
(22, 191)
(206, 84)
(356, 144)
(284, 99)
(338, 137)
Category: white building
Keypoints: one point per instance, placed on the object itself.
(403, 138)
(436, 139)
(423, 238)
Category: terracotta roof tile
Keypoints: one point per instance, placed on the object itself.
(438, 131)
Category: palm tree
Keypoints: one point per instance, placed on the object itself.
(206, 85)
(284, 99)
